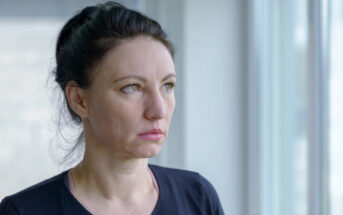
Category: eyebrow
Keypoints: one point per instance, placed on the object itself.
(169, 76)
(141, 78)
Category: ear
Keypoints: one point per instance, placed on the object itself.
(76, 99)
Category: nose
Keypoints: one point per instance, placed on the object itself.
(155, 107)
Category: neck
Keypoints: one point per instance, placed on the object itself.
(103, 174)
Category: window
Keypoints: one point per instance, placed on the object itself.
(291, 118)
(336, 107)
(26, 57)
(281, 45)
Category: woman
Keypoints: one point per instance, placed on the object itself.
(115, 68)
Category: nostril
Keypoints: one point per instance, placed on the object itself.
(154, 114)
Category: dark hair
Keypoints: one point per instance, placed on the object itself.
(89, 35)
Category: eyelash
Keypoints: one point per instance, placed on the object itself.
(130, 85)
(171, 86)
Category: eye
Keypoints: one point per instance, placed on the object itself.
(131, 88)
(168, 87)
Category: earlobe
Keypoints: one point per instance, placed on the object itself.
(76, 99)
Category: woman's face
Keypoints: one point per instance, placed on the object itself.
(131, 99)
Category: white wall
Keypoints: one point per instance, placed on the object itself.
(213, 97)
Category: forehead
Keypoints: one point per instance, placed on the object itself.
(141, 55)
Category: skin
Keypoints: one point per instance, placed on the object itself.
(131, 92)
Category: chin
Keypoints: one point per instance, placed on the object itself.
(149, 152)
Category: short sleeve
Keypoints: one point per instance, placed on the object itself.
(7, 207)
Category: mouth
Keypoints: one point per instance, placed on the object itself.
(152, 135)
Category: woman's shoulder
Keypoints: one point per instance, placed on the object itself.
(172, 171)
(184, 177)
(185, 190)
(34, 196)
(183, 181)
(41, 188)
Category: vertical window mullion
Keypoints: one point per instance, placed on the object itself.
(317, 103)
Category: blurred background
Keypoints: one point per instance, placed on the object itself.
(259, 98)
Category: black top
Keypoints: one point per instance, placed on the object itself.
(180, 192)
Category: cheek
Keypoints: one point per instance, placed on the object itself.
(120, 112)
(112, 116)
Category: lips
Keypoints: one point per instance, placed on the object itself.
(151, 135)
